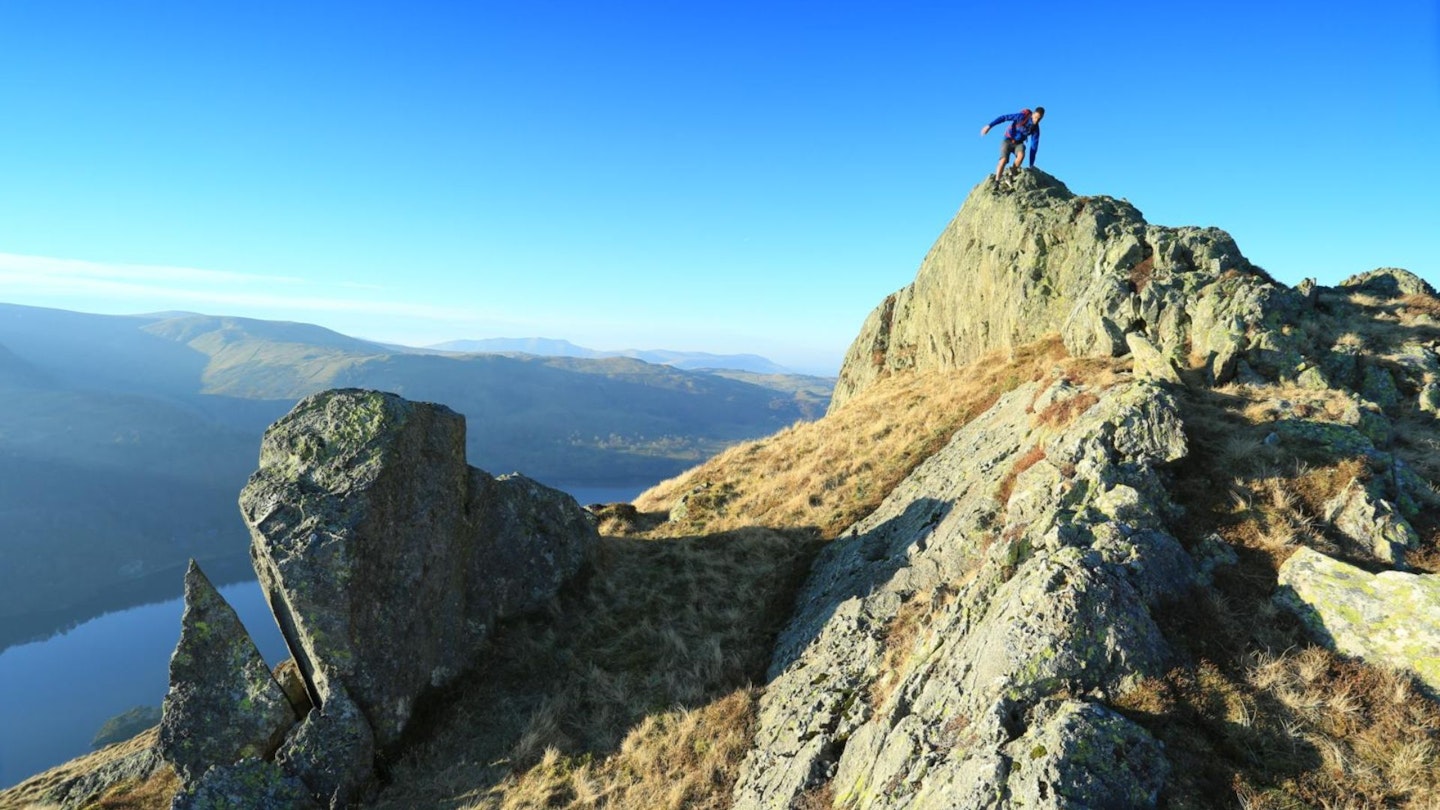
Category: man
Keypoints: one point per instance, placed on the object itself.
(1024, 124)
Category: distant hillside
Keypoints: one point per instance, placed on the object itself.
(124, 439)
(545, 347)
(550, 347)
(17, 372)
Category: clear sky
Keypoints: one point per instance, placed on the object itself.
(715, 176)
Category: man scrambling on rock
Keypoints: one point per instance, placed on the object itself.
(1024, 124)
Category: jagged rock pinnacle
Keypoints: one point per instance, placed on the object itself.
(223, 705)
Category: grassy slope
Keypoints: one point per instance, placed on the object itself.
(554, 418)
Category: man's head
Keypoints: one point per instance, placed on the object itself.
(1037, 114)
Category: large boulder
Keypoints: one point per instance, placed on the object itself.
(222, 705)
(1084, 755)
(386, 559)
(1390, 618)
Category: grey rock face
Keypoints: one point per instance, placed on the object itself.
(936, 635)
(222, 705)
(1012, 267)
(1149, 362)
(1083, 756)
(385, 558)
(332, 752)
(1370, 521)
(250, 783)
(1391, 618)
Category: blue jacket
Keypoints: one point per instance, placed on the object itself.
(1022, 127)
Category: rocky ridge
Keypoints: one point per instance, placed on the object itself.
(968, 655)
(1006, 627)
(965, 645)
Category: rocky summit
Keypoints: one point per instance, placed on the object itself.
(1102, 515)
(1012, 267)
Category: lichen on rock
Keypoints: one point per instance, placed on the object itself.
(386, 560)
(1390, 618)
(1046, 593)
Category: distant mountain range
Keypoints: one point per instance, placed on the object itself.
(551, 347)
(124, 440)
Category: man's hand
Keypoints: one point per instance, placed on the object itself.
(984, 130)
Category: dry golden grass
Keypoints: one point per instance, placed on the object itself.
(1263, 404)
(1315, 487)
(155, 792)
(1380, 323)
(636, 691)
(1061, 413)
(1416, 305)
(673, 759)
(830, 473)
(1258, 715)
(1299, 728)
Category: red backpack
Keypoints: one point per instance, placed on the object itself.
(1015, 126)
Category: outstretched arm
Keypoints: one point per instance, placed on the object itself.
(1034, 146)
(1001, 119)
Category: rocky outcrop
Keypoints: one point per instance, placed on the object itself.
(386, 561)
(1014, 266)
(955, 649)
(1391, 617)
(223, 705)
(1388, 282)
(1360, 516)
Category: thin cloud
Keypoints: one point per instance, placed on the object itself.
(156, 287)
(51, 268)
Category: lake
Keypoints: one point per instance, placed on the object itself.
(55, 694)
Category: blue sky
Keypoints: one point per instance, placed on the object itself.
(725, 177)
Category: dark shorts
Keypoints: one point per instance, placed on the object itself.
(1007, 146)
